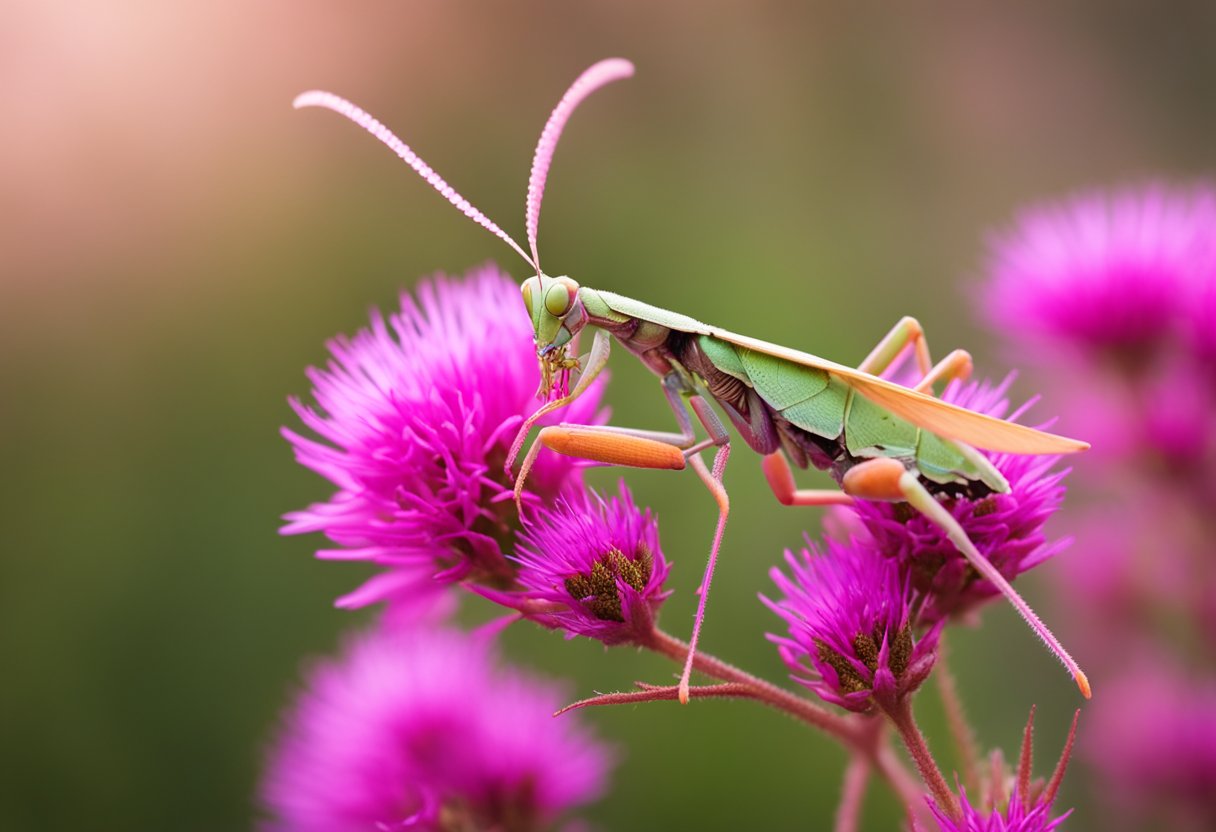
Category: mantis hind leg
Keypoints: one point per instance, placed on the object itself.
(888, 480)
(906, 333)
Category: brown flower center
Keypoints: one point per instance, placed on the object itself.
(598, 589)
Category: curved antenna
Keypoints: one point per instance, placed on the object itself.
(318, 98)
(594, 77)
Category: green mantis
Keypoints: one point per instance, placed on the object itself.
(879, 440)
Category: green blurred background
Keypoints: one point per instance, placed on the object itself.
(177, 244)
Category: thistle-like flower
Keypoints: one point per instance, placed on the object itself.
(1112, 272)
(417, 728)
(419, 412)
(851, 634)
(592, 567)
(1012, 801)
(1006, 528)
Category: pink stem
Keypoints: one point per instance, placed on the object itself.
(856, 776)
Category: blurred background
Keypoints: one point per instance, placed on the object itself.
(176, 245)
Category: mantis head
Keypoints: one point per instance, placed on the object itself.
(553, 302)
(557, 315)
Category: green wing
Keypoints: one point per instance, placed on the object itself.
(932, 414)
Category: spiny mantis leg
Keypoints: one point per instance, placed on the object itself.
(888, 480)
(713, 481)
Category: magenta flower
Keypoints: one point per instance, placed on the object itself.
(1017, 816)
(419, 412)
(1152, 736)
(850, 626)
(1026, 807)
(417, 729)
(591, 567)
(1104, 271)
(1006, 528)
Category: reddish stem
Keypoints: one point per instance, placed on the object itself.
(860, 735)
(900, 714)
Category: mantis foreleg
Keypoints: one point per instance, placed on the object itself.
(656, 449)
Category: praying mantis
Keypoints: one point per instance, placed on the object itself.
(879, 440)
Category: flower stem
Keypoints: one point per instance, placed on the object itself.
(900, 714)
(766, 692)
(862, 736)
(956, 719)
(856, 776)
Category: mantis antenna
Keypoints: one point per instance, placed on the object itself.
(318, 98)
(594, 77)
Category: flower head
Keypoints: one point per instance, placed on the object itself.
(419, 412)
(1006, 528)
(1026, 807)
(1016, 816)
(592, 567)
(850, 626)
(1111, 272)
(418, 729)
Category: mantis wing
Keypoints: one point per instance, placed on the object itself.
(932, 414)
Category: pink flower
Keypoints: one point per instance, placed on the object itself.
(1104, 271)
(1016, 816)
(591, 567)
(416, 728)
(1023, 807)
(1152, 736)
(850, 626)
(417, 415)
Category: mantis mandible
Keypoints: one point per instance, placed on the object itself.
(879, 440)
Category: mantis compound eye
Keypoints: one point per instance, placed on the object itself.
(526, 289)
(557, 300)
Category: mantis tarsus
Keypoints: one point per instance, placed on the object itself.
(879, 440)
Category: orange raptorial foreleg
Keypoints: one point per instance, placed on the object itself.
(888, 480)
(612, 448)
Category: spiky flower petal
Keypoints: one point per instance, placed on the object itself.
(850, 625)
(417, 414)
(592, 567)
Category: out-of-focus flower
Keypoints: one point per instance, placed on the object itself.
(1110, 272)
(1152, 735)
(850, 626)
(416, 728)
(418, 413)
(591, 567)
(1006, 528)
